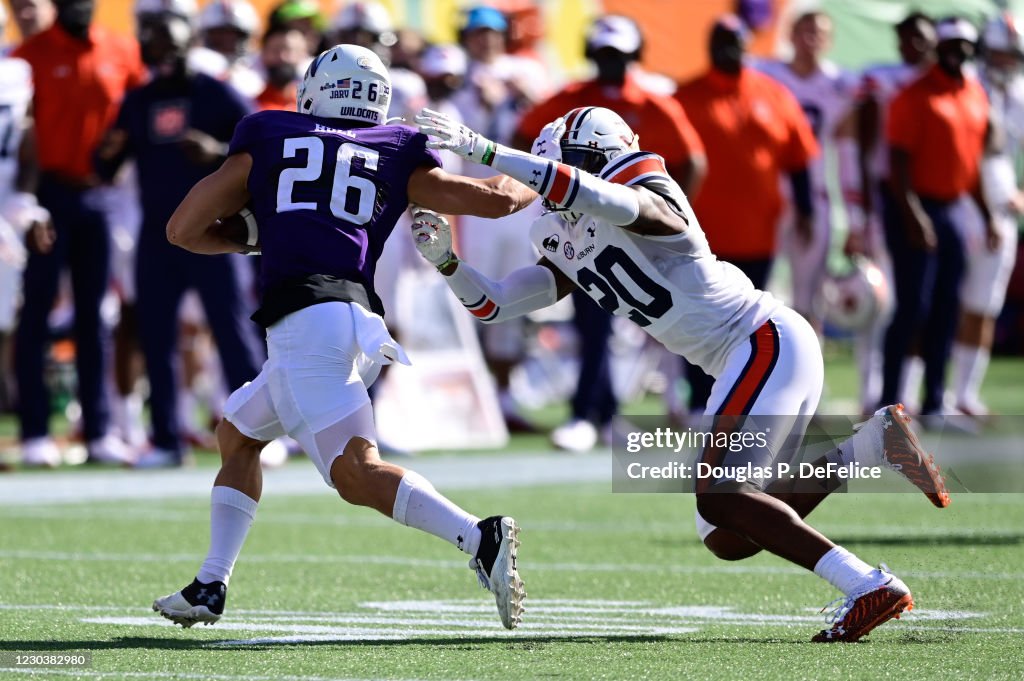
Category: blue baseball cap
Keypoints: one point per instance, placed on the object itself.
(485, 17)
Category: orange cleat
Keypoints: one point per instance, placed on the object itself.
(859, 614)
(904, 454)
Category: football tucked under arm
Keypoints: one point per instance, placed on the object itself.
(240, 229)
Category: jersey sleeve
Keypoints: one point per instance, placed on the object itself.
(645, 169)
(419, 154)
(247, 133)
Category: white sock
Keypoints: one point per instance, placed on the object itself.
(913, 375)
(231, 516)
(843, 570)
(421, 506)
(970, 363)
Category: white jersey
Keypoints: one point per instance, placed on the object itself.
(826, 96)
(673, 286)
(15, 97)
(1006, 106)
(883, 83)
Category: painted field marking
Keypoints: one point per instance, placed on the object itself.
(649, 568)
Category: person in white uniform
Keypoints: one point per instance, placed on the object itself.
(622, 230)
(990, 262)
(826, 94)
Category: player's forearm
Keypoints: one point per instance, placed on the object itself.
(568, 187)
(521, 292)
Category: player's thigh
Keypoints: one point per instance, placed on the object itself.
(314, 376)
(988, 272)
(251, 409)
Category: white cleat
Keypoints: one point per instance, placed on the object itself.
(495, 565)
(197, 602)
(40, 452)
(576, 435)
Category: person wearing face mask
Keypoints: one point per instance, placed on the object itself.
(80, 73)
(937, 132)
(176, 128)
(754, 132)
(284, 56)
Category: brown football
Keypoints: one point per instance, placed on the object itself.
(240, 228)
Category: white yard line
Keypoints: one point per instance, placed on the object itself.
(479, 471)
(670, 568)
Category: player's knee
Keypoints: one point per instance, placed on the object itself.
(232, 442)
(352, 472)
(727, 545)
(715, 508)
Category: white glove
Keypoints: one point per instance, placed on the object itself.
(549, 142)
(450, 135)
(433, 237)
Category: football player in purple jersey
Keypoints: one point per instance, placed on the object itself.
(326, 185)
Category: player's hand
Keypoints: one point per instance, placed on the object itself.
(804, 228)
(433, 237)
(200, 148)
(450, 135)
(549, 142)
(993, 239)
(40, 238)
(921, 231)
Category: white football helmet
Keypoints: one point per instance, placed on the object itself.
(237, 14)
(594, 136)
(857, 299)
(346, 81)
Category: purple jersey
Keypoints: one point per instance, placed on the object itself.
(326, 197)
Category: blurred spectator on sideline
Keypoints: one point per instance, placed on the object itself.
(936, 131)
(32, 16)
(22, 222)
(284, 56)
(176, 127)
(407, 50)
(80, 73)
(754, 132)
(827, 95)
(496, 90)
(989, 269)
(369, 25)
(614, 44)
(226, 27)
(879, 84)
(304, 15)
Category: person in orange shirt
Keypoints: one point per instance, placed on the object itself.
(284, 56)
(80, 72)
(614, 44)
(754, 131)
(937, 131)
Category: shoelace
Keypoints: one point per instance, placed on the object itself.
(481, 576)
(837, 614)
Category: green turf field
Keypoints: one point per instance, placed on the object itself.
(619, 586)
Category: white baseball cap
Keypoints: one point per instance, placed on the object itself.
(443, 60)
(615, 31)
(956, 28)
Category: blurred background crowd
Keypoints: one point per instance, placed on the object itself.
(859, 159)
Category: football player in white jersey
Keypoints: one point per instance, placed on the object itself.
(826, 93)
(989, 264)
(623, 231)
(879, 85)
